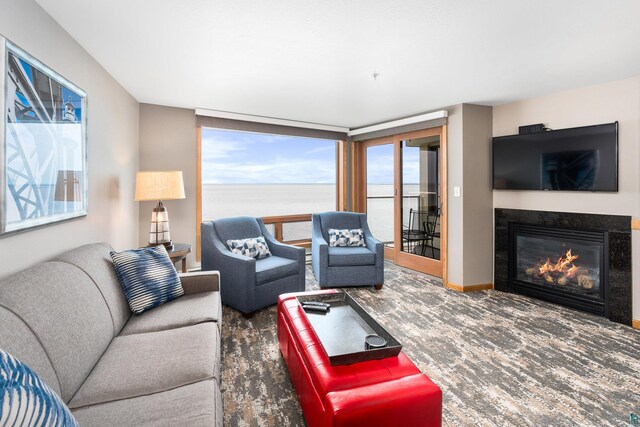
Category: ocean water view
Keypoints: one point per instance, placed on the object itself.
(259, 200)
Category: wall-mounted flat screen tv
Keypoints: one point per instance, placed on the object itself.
(576, 159)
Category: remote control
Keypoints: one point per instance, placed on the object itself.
(317, 303)
(317, 308)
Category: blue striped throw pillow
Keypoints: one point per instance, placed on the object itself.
(25, 400)
(147, 277)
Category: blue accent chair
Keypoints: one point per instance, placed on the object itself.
(249, 284)
(345, 266)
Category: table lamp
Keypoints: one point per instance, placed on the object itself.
(159, 185)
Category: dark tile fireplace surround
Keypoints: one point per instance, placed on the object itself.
(578, 260)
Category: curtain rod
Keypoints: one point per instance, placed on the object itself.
(269, 120)
(401, 122)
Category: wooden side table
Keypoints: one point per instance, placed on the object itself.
(179, 253)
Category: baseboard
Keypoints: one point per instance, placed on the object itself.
(469, 288)
(635, 324)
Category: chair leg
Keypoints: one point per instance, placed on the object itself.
(378, 286)
(248, 315)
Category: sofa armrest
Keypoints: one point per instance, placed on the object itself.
(201, 281)
(408, 401)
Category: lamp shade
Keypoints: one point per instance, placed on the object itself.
(159, 185)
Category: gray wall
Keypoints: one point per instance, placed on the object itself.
(470, 245)
(168, 142)
(112, 143)
(604, 103)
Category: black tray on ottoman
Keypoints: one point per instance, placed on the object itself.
(342, 330)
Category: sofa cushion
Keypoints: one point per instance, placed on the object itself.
(147, 276)
(24, 397)
(94, 259)
(346, 256)
(66, 311)
(17, 339)
(253, 247)
(274, 268)
(194, 405)
(140, 364)
(184, 311)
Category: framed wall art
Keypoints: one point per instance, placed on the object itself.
(43, 174)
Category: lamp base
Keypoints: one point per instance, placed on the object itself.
(167, 245)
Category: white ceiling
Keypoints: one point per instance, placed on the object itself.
(313, 60)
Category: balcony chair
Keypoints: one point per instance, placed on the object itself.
(249, 284)
(345, 265)
(415, 236)
(431, 225)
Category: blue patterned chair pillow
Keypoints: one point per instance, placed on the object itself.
(254, 247)
(354, 237)
(147, 276)
(25, 400)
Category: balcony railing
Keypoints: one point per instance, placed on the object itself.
(276, 224)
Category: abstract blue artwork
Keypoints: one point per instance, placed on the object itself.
(44, 159)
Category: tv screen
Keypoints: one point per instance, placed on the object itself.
(577, 159)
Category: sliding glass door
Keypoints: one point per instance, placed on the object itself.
(401, 185)
(380, 192)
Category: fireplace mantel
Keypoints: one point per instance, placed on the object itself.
(619, 260)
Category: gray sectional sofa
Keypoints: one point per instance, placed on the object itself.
(69, 321)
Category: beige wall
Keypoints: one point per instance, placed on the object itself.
(604, 103)
(477, 196)
(168, 142)
(470, 239)
(455, 214)
(112, 143)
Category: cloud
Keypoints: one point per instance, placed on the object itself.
(230, 157)
(321, 149)
(282, 171)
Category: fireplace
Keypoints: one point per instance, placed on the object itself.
(578, 260)
(565, 266)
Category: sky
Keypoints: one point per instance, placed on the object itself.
(232, 157)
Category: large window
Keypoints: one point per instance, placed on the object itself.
(254, 174)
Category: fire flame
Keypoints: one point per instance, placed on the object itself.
(564, 265)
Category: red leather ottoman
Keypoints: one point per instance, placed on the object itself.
(387, 392)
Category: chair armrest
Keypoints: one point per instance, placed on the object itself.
(237, 272)
(280, 249)
(318, 244)
(373, 244)
(319, 251)
(201, 281)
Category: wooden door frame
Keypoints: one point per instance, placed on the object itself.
(359, 186)
(405, 259)
(359, 197)
(341, 184)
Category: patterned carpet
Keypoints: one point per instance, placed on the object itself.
(500, 359)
